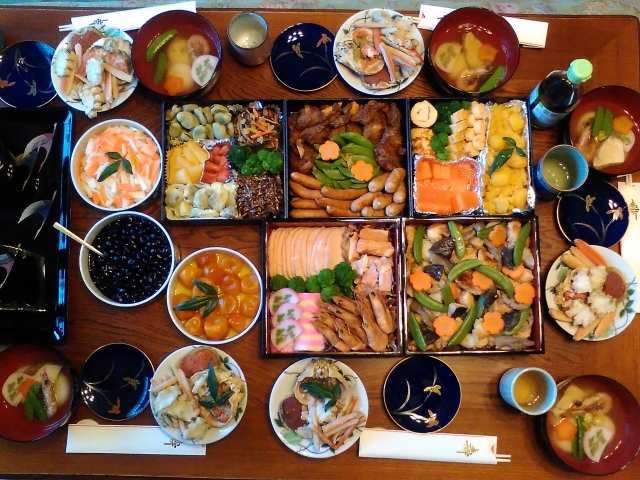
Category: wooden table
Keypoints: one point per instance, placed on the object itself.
(253, 450)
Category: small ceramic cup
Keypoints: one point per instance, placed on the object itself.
(249, 38)
(543, 405)
(562, 169)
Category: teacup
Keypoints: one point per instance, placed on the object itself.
(531, 390)
(562, 169)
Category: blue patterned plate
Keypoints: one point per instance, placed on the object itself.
(302, 57)
(115, 381)
(421, 394)
(25, 75)
(596, 213)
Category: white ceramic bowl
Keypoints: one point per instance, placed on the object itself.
(174, 279)
(79, 150)
(84, 257)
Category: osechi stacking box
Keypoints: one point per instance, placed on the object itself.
(332, 287)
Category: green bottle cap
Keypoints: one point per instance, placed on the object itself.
(580, 71)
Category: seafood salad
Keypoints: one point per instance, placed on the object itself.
(470, 285)
(588, 292)
(382, 47)
(92, 69)
(201, 393)
(325, 407)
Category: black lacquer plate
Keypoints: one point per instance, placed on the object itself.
(35, 147)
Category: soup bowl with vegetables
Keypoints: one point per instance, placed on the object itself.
(177, 54)
(593, 426)
(472, 52)
(605, 127)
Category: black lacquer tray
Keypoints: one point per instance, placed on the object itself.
(35, 147)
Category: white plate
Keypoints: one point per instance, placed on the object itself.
(353, 79)
(214, 434)
(107, 31)
(625, 310)
(284, 388)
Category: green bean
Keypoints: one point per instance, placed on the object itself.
(524, 314)
(28, 409)
(521, 241)
(462, 267)
(37, 406)
(418, 240)
(578, 451)
(500, 278)
(353, 137)
(465, 328)
(597, 122)
(456, 234)
(426, 301)
(416, 333)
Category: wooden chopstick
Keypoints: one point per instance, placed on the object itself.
(72, 235)
(503, 460)
(66, 28)
(502, 455)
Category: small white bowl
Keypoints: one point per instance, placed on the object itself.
(174, 279)
(84, 257)
(81, 145)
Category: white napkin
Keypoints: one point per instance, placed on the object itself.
(127, 439)
(127, 19)
(435, 447)
(629, 250)
(530, 33)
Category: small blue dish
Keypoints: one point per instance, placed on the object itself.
(302, 57)
(25, 74)
(115, 381)
(596, 213)
(421, 394)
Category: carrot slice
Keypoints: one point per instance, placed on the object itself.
(25, 386)
(455, 290)
(329, 150)
(605, 321)
(498, 235)
(590, 252)
(566, 430)
(420, 281)
(492, 322)
(481, 281)
(515, 273)
(524, 293)
(445, 326)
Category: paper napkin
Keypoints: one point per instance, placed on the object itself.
(530, 33)
(127, 439)
(127, 19)
(629, 244)
(435, 447)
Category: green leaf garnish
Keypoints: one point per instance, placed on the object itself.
(222, 399)
(212, 382)
(126, 164)
(520, 152)
(205, 287)
(210, 306)
(110, 170)
(500, 160)
(509, 141)
(195, 303)
(114, 156)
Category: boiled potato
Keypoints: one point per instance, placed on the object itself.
(516, 122)
(177, 52)
(500, 178)
(520, 198)
(496, 142)
(470, 47)
(516, 161)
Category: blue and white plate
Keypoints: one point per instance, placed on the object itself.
(596, 213)
(302, 57)
(115, 381)
(421, 394)
(25, 75)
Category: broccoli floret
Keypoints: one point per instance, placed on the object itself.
(253, 166)
(298, 284)
(277, 282)
(346, 291)
(326, 277)
(273, 163)
(329, 292)
(444, 155)
(237, 155)
(454, 106)
(466, 104)
(263, 154)
(312, 284)
(345, 275)
(441, 127)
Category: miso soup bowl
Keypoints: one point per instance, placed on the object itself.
(464, 20)
(156, 26)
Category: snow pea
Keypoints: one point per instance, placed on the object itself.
(493, 80)
(578, 441)
(462, 267)
(426, 301)
(465, 328)
(500, 278)
(355, 149)
(447, 294)
(597, 122)
(161, 66)
(607, 123)
(416, 333)
(521, 241)
(524, 314)
(37, 406)
(338, 139)
(456, 234)
(418, 241)
(484, 233)
(353, 137)
(159, 42)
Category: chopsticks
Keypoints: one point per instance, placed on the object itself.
(66, 28)
(503, 458)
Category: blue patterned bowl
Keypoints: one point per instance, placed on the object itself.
(25, 75)
(421, 394)
(302, 57)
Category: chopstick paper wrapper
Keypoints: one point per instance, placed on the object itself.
(127, 439)
(629, 244)
(434, 447)
(126, 19)
(530, 33)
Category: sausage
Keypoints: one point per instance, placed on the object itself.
(326, 202)
(337, 194)
(371, 212)
(400, 195)
(306, 180)
(377, 184)
(307, 213)
(341, 212)
(394, 209)
(380, 203)
(304, 203)
(364, 201)
(394, 179)
(303, 192)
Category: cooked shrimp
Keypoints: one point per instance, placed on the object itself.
(381, 312)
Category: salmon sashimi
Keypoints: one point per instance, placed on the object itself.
(197, 361)
(445, 188)
(120, 189)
